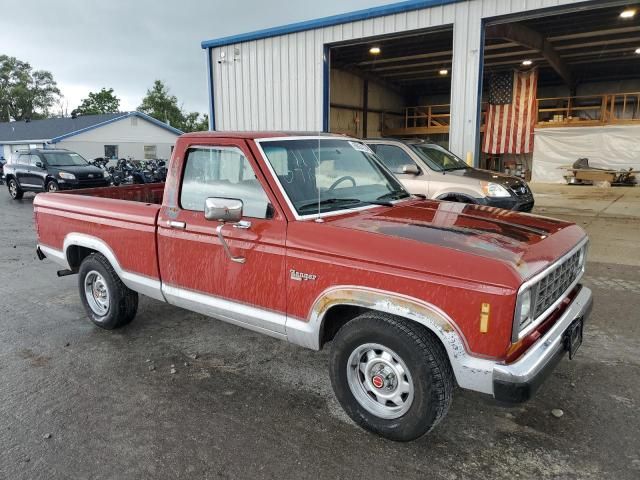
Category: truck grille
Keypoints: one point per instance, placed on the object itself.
(556, 282)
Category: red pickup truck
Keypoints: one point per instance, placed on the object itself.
(310, 239)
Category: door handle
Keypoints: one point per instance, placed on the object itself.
(178, 225)
(226, 247)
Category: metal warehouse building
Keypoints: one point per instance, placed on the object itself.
(430, 68)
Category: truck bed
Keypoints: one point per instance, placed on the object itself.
(145, 193)
(122, 218)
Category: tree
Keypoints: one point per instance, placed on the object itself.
(25, 93)
(96, 103)
(194, 123)
(161, 105)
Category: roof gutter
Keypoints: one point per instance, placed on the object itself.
(365, 14)
(24, 142)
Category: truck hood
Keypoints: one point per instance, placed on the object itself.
(527, 243)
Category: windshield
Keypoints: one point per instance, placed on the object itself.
(322, 175)
(64, 159)
(438, 158)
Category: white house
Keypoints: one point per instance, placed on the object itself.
(112, 135)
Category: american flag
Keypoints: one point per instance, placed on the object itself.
(512, 112)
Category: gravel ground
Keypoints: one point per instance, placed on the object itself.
(78, 402)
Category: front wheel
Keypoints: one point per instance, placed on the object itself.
(14, 189)
(52, 186)
(108, 302)
(391, 376)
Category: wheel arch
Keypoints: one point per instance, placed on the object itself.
(457, 197)
(336, 306)
(78, 246)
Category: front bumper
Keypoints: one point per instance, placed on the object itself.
(83, 183)
(520, 204)
(518, 381)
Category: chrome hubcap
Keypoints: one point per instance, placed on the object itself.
(52, 187)
(380, 381)
(96, 293)
(13, 188)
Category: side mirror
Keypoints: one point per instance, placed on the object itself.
(39, 165)
(410, 169)
(223, 209)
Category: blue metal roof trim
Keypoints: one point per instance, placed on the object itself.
(121, 117)
(327, 21)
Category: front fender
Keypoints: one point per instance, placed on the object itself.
(471, 372)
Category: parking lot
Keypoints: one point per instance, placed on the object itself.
(79, 402)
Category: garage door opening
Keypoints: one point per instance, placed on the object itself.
(392, 87)
(562, 87)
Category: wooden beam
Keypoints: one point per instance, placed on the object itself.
(533, 40)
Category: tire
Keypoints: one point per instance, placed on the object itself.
(52, 186)
(14, 189)
(95, 277)
(411, 355)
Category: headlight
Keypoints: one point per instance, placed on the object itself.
(494, 190)
(67, 176)
(523, 313)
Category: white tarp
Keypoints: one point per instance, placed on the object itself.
(611, 146)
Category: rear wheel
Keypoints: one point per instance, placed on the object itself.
(14, 189)
(391, 376)
(108, 302)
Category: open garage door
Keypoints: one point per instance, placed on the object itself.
(560, 87)
(396, 86)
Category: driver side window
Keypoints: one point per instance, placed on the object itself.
(394, 158)
(222, 172)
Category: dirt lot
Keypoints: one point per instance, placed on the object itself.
(78, 402)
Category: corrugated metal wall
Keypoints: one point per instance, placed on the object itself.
(277, 83)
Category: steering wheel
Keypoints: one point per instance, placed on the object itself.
(340, 180)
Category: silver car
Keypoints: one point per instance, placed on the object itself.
(433, 171)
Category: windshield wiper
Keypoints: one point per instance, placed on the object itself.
(328, 201)
(455, 168)
(395, 195)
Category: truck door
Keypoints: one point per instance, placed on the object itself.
(197, 273)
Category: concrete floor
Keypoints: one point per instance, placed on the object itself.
(249, 406)
(611, 216)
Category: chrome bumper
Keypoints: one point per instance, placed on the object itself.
(518, 381)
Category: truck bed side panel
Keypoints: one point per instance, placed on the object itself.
(127, 227)
(145, 193)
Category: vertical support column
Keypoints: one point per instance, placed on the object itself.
(326, 77)
(210, 82)
(466, 80)
(365, 108)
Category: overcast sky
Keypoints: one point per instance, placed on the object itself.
(127, 44)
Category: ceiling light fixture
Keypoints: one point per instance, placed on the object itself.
(638, 51)
(375, 50)
(628, 13)
(526, 63)
(444, 71)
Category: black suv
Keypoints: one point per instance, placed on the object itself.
(49, 170)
